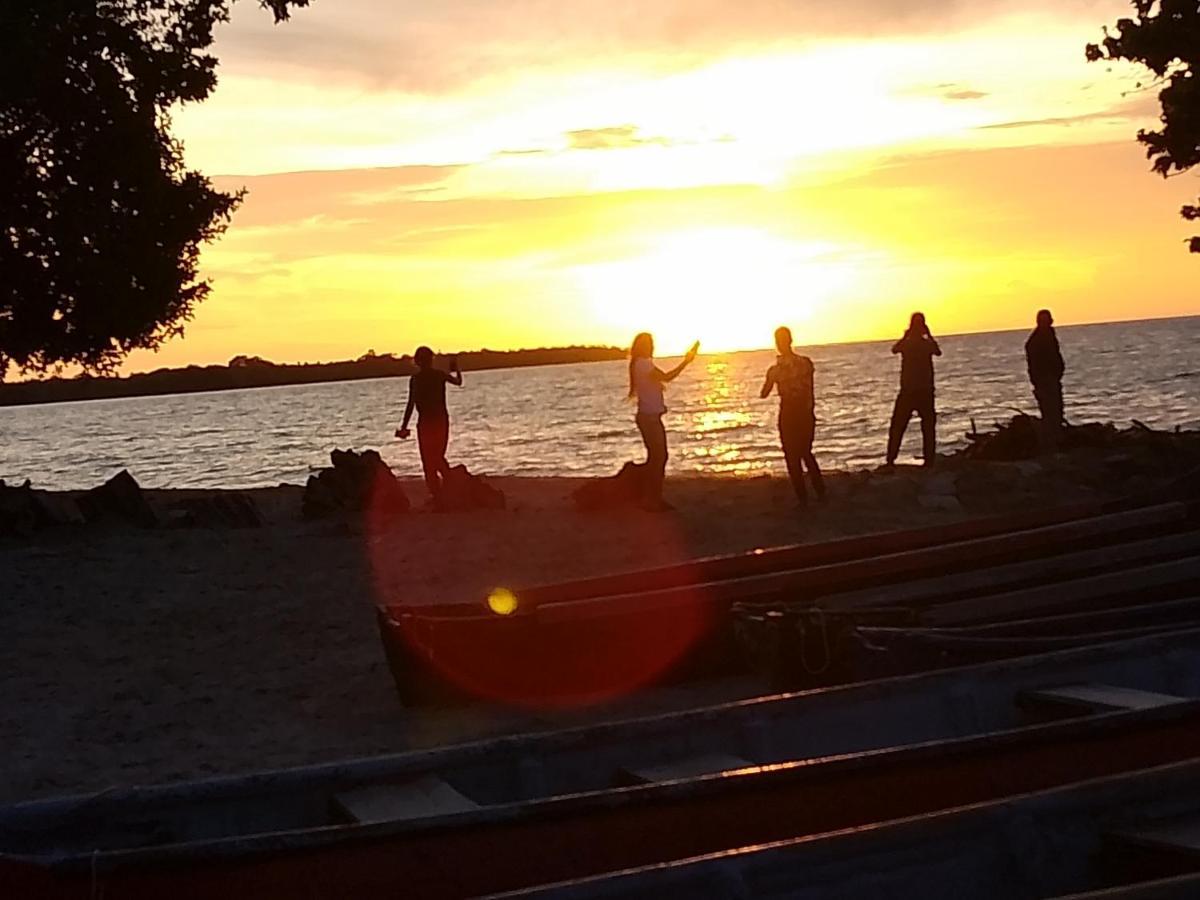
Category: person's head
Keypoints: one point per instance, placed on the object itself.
(917, 323)
(1044, 319)
(423, 357)
(642, 348)
(783, 339)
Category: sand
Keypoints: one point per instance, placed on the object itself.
(138, 657)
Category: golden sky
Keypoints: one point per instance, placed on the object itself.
(509, 173)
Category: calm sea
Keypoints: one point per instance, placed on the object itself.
(574, 420)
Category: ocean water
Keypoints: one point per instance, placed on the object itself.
(574, 419)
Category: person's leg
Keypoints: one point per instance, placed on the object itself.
(654, 436)
(809, 460)
(792, 449)
(442, 443)
(1043, 405)
(427, 443)
(928, 413)
(901, 413)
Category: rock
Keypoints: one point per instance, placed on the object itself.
(942, 502)
(355, 483)
(223, 510)
(120, 499)
(626, 488)
(462, 491)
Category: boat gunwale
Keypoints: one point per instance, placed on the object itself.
(1171, 783)
(403, 762)
(702, 592)
(759, 777)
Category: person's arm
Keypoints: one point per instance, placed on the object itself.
(769, 384)
(659, 375)
(937, 351)
(402, 432)
(455, 375)
(898, 347)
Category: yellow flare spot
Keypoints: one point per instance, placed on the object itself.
(502, 602)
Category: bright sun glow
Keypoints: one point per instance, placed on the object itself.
(727, 287)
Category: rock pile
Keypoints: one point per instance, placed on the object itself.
(24, 510)
(355, 482)
(1021, 438)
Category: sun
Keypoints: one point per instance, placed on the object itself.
(729, 288)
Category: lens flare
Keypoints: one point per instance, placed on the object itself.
(502, 602)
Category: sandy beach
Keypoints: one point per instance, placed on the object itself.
(136, 657)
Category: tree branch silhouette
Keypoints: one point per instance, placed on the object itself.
(1164, 37)
(101, 222)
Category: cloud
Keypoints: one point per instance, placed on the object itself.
(435, 48)
(965, 95)
(612, 137)
(1138, 108)
(277, 199)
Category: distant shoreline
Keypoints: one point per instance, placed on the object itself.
(251, 372)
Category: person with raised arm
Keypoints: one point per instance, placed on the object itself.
(646, 382)
(792, 377)
(916, 349)
(427, 395)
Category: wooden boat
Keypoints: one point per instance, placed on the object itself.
(1035, 605)
(566, 646)
(1126, 836)
(1181, 887)
(518, 811)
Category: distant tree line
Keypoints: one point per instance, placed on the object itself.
(254, 371)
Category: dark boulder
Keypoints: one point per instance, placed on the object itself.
(626, 488)
(354, 483)
(120, 499)
(462, 491)
(219, 510)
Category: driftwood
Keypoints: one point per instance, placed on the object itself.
(1022, 437)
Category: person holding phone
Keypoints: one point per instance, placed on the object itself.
(646, 382)
(792, 377)
(427, 395)
(916, 349)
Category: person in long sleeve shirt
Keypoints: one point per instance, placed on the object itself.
(916, 349)
(1044, 360)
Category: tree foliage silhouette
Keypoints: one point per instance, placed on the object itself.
(1165, 38)
(100, 220)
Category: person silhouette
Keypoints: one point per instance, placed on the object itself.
(917, 349)
(792, 376)
(1044, 360)
(427, 394)
(646, 382)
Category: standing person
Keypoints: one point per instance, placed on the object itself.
(427, 394)
(792, 375)
(646, 382)
(1044, 360)
(917, 349)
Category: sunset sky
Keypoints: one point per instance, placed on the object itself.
(511, 173)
